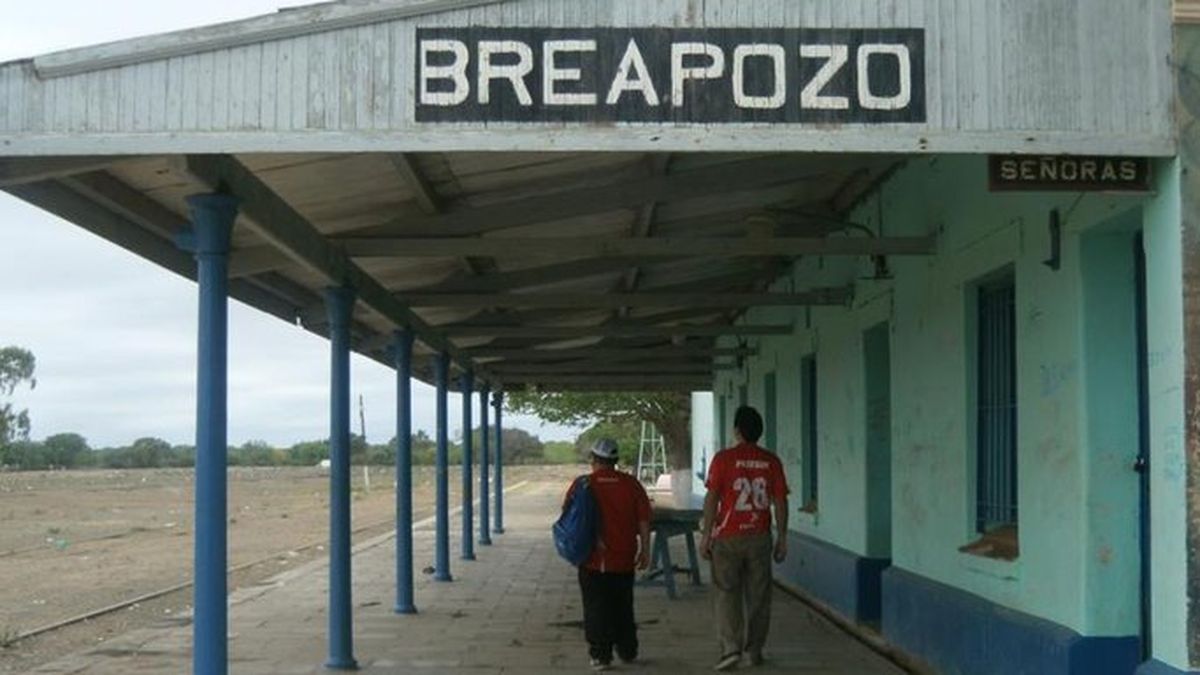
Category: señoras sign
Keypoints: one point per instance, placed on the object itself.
(715, 76)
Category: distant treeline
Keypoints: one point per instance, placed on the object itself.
(71, 451)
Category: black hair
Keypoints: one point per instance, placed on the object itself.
(606, 461)
(748, 423)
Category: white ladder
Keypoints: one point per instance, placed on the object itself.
(652, 455)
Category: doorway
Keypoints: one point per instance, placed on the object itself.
(877, 365)
(1142, 463)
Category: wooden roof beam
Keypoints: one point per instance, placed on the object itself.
(631, 353)
(277, 222)
(700, 183)
(616, 330)
(612, 382)
(657, 368)
(655, 247)
(666, 385)
(824, 296)
(428, 199)
(23, 171)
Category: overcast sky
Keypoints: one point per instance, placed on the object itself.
(114, 336)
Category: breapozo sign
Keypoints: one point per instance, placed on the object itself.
(706, 76)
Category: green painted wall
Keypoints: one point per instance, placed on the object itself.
(1079, 557)
(1168, 468)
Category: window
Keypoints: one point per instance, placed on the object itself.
(769, 435)
(996, 413)
(808, 421)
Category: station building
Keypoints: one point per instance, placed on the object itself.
(948, 248)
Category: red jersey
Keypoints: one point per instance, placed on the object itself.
(746, 479)
(623, 504)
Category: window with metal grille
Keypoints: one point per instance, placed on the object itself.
(769, 434)
(996, 416)
(808, 422)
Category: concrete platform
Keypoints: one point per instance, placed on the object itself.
(514, 610)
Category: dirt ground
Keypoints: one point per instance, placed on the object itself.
(75, 541)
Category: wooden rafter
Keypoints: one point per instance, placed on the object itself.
(655, 247)
(616, 330)
(634, 193)
(826, 296)
(281, 225)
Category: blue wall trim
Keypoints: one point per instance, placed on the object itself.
(958, 632)
(847, 582)
(1160, 668)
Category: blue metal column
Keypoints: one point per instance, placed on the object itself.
(498, 403)
(467, 384)
(485, 532)
(340, 303)
(402, 352)
(212, 218)
(441, 367)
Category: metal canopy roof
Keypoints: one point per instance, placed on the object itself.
(600, 270)
(597, 253)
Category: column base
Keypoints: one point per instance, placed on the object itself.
(404, 609)
(469, 556)
(497, 530)
(341, 664)
(443, 577)
(485, 541)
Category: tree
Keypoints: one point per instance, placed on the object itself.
(66, 450)
(625, 433)
(16, 367)
(149, 453)
(669, 412)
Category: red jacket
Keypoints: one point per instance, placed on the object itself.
(623, 505)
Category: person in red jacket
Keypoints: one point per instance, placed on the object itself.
(744, 482)
(622, 545)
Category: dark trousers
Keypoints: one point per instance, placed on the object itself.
(608, 614)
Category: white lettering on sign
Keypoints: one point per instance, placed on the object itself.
(632, 61)
(870, 76)
(835, 57)
(1069, 173)
(553, 74)
(778, 58)
(514, 73)
(456, 72)
(680, 74)
(866, 96)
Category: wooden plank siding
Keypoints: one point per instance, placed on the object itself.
(1002, 75)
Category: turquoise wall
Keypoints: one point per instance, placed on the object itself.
(1168, 529)
(1079, 557)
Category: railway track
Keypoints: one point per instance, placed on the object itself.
(419, 519)
(175, 588)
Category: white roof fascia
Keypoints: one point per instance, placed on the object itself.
(284, 24)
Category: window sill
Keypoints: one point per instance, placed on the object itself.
(808, 514)
(1002, 543)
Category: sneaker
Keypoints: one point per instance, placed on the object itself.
(627, 659)
(728, 661)
(599, 665)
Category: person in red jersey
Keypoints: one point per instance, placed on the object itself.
(622, 545)
(744, 482)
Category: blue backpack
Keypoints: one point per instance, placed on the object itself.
(575, 530)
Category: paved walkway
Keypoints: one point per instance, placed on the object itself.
(514, 610)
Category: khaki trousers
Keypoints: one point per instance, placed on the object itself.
(741, 576)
